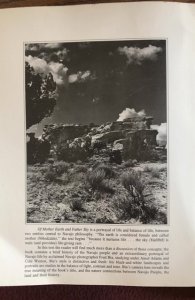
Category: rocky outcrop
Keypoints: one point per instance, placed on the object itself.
(146, 136)
(57, 134)
(132, 137)
(140, 144)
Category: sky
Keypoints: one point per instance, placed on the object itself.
(97, 81)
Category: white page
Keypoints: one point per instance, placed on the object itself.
(173, 22)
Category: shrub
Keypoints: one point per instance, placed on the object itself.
(60, 167)
(50, 175)
(162, 217)
(129, 208)
(109, 173)
(146, 212)
(56, 170)
(133, 183)
(77, 204)
(149, 213)
(96, 179)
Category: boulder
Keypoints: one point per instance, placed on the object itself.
(118, 146)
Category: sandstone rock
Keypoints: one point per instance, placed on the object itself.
(108, 137)
(147, 136)
(76, 142)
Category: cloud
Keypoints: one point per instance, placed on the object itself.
(162, 133)
(38, 64)
(73, 78)
(49, 52)
(138, 55)
(81, 76)
(130, 113)
(50, 45)
(58, 70)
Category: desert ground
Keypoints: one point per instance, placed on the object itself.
(96, 191)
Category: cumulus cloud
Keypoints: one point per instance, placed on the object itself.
(130, 113)
(73, 78)
(38, 64)
(138, 55)
(58, 70)
(80, 76)
(162, 133)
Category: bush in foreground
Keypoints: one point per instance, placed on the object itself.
(97, 181)
(133, 183)
(109, 173)
(135, 205)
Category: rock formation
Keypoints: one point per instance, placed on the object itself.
(133, 137)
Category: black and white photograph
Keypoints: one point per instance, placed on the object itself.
(96, 132)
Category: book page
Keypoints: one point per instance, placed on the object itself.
(97, 145)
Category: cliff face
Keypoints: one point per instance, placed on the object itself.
(134, 123)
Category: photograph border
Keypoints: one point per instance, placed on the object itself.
(167, 121)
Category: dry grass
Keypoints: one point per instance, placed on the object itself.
(97, 192)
